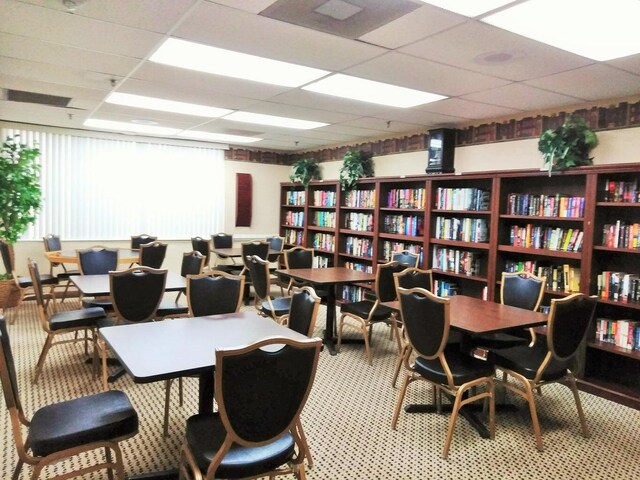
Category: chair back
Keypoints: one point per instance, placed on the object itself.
(259, 273)
(303, 310)
(385, 285)
(152, 254)
(36, 281)
(201, 245)
(298, 257)
(97, 260)
(222, 240)
(406, 257)
(52, 243)
(260, 393)
(137, 292)
(261, 249)
(522, 290)
(569, 320)
(426, 320)
(192, 263)
(414, 278)
(138, 240)
(214, 293)
(8, 376)
(7, 258)
(276, 244)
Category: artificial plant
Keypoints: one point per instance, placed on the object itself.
(569, 145)
(305, 170)
(355, 164)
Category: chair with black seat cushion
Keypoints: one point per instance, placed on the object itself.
(56, 324)
(362, 315)
(201, 245)
(548, 361)
(213, 293)
(426, 322)
(255, 247)
(65, 430)
(192, 264)
(52, 243)
(275, 308)
(97, 261)
(224, 240)
(152, 254)
(303, 310)
(406, 257)
(301, 257)
(260, 390)
(138, 240)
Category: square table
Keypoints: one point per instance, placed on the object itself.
(98, 285)
(330, 277)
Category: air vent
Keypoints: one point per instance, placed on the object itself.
(39, 98)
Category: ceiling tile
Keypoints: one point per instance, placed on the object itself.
(461, 108)
(630, 63)
(525, 97)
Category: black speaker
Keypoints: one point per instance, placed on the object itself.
(441, 148)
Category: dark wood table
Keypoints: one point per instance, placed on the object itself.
(98, 285)
(125, 255)
(470, 316)
(330, 277)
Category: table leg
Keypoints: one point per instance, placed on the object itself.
(331, 320)
(205, 392)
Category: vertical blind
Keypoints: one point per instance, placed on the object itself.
(105, 189)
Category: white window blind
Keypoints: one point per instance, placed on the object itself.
(105, 189)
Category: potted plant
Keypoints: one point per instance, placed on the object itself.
(355, 165)
(569, 145)
(20, 199)
(305, 170)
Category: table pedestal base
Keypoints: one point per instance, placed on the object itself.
(168, 475)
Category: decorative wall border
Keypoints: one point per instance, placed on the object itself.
(622, 115)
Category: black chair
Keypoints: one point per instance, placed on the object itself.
(192, 264)
(275, 308)
(406, 258)
(52, 243)
(256, 247)
(301, 257)
(152, 254)
(362, 315)
(138, 240)
(64, 430)
(303, 311)
(97, 261)
(56, 324)
(548, 361)
(260, 396)
(224, 240)
(426, 322)
(201, 245)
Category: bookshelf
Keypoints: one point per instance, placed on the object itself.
(577, 225)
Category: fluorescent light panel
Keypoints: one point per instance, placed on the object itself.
(468, 8)
(163, 105)
(354, 88)
(130, 127)
(261, 119)
(217, 137)
(204, 58)
(597, 30)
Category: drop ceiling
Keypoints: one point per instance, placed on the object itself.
(104, 46)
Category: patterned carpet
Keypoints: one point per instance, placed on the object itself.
(347, 421)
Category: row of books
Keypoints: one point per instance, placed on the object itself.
(558, 205)
(456, 261)
(406, 198)
(360, 247)
(293, 237)
(324, 241)
(320, 261)
(443, 288)
(388, 247)
(294, 219)
(559, 278)
(621, 235)
(618, 286)
(363, 222)
(463, 229)
(295, 197)
(324, 198)
(476, 199)
(621, 191)
(360, 199)
(361, 267)
(324, 219)
(353, 293)
(621, 333)
(534, 236)
(410, 225)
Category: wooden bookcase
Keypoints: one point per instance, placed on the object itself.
(469, 228)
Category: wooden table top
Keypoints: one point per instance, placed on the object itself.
(475, 315)
(125, 255)
(329, 275)
(98, 285)
(155, 351)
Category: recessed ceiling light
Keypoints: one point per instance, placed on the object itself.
(142, 121)
(163, 105)
(203, 58)
(597, 30)
(338, 9)
(129, 127)
(345, 86)
(273, 120)
(217, 137)
(468, 8)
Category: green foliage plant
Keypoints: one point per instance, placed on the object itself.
(305, 170)
(569, 145)
(355, 165)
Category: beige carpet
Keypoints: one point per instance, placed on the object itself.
(347, 421)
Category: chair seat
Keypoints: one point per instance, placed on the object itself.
(45, 279)
(67, 274)
(526, 361)
(281, 306)
(205, 434)
(84, 317)
(104, 303)
(168, 308)
(103, 416)
(464, 368)
(363, 308)
(498, 340)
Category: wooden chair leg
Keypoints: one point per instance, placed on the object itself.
(305, 446)
(452, 422)
(571, 383)
(401, 356)
(534, 415)
(367, 346)
(43, 356)
(403, 392)
(105, 371)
